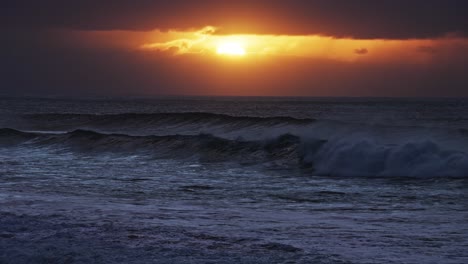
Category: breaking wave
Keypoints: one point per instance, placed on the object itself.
(345, 157)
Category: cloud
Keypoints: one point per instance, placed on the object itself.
(29, 66)
(364, 19)
(179, 46)
(362, 51)
(182, 45)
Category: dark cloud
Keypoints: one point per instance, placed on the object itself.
(362, 51)
(390, 19)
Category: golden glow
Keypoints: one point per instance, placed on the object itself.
(230, 48)
(206, 42)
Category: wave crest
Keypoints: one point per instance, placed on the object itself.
(157, 121)
(363, 158)
(366, 158)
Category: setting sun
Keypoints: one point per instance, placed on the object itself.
(231, 48)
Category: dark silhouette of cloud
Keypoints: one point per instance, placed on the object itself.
(389, 19)
(362, 51)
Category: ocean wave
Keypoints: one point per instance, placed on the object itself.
(421, 158)
(342, 158)
(141, 122)
(204, 147)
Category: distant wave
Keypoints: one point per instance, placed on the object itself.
(318, 157)
(141, 121)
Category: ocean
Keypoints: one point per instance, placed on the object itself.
(233, 180)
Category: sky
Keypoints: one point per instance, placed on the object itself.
(241, 48)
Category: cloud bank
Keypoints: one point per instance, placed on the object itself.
(364, 19)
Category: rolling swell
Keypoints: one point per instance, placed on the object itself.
(355, 158)
(203, 147)
(140, 122)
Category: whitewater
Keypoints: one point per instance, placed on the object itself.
(222, 180)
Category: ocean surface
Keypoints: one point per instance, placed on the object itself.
(233, 180)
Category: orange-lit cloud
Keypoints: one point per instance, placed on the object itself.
(318, 47)
(186, 63)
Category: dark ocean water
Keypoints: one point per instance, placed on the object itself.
(222, 180)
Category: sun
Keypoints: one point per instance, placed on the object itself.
(231, 48)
